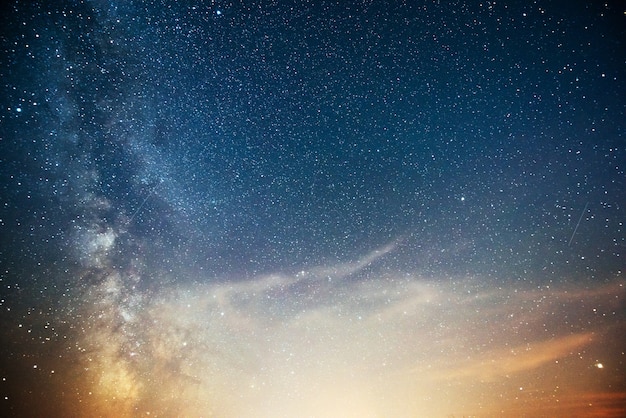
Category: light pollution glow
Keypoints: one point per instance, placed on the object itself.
(338, 342)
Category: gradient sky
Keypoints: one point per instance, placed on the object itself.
(312, 209)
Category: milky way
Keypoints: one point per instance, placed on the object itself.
(348, 209)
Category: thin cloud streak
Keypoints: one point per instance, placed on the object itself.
(504, 362)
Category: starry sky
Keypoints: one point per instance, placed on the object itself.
(312, 208)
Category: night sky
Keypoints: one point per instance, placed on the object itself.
(312, 209)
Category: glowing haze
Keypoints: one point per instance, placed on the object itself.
(348, 341)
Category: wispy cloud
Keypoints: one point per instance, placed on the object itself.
(505, 362)
(342, 270)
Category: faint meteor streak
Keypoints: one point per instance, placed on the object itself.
(578, 224)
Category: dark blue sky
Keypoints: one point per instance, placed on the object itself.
(322, 129)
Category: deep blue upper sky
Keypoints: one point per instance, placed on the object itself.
(271, 135)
